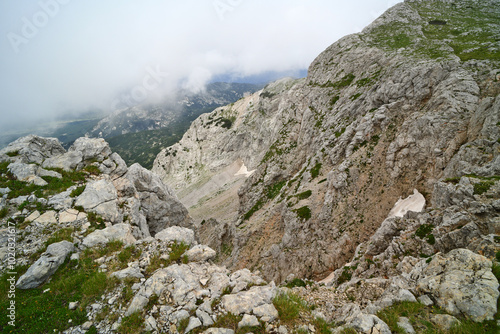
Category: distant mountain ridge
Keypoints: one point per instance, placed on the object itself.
(186, 105)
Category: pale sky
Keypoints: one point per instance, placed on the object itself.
(57, 55)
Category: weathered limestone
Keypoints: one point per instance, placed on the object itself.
(46, 265)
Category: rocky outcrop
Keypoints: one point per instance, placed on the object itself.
(134, 193)
(31, 149)
(46, 265)
(461, 283)
(378, 116)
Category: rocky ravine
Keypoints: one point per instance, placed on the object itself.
(409, 103)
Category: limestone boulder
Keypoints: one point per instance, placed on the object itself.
(91, 148)
(245, 301)
(200, 253)
(101, 197)
(67, 161)
(159, 204)
(46, 265)
(122, 232)
(176, 233)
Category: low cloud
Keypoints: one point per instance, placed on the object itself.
(61, 55)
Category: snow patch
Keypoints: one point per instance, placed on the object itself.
(244, 171)
(415, 202)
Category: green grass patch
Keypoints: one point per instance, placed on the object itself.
(321, 326)
(54, 185)
(346, 275)
(39, 312)
(77, 192)
(419, 316)
(482, 187)
(253, 209)
(95, 220)
(304, 194)
(274, 189)
(132, 324)
(423, 230)
(4, 212)
(296, 282)
(92, 170)
(339, 133)
(289, 307)
(334, 100)
(303, 212)
(129, 253)
(175, 256)
(355, 96)
(315, 170)
(178, 249)
(342, 83)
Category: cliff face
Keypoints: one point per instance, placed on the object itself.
(411, 100)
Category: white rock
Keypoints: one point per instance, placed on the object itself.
(122, 232)
(176, 233)
(49, 217)
(405, 324)
(266, 310)
(193, 323)
(200, 253)
(249, 321)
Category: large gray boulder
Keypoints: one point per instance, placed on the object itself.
(31, 173)
(369, 323)
(200, 253)
(176, 233)
(114, 166)
(91, 148)
(46, 265)
(461, 282)
(245, 301)
(158, 202)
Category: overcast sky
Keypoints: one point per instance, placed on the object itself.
(58, 55)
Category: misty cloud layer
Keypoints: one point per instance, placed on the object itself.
(61, 55)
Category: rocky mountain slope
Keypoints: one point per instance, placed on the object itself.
(364, 198)
(409, 103)
(91, 246)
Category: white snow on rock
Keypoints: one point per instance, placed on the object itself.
(244, 171)
(415, 202)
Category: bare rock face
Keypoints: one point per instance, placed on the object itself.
(462, 283)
